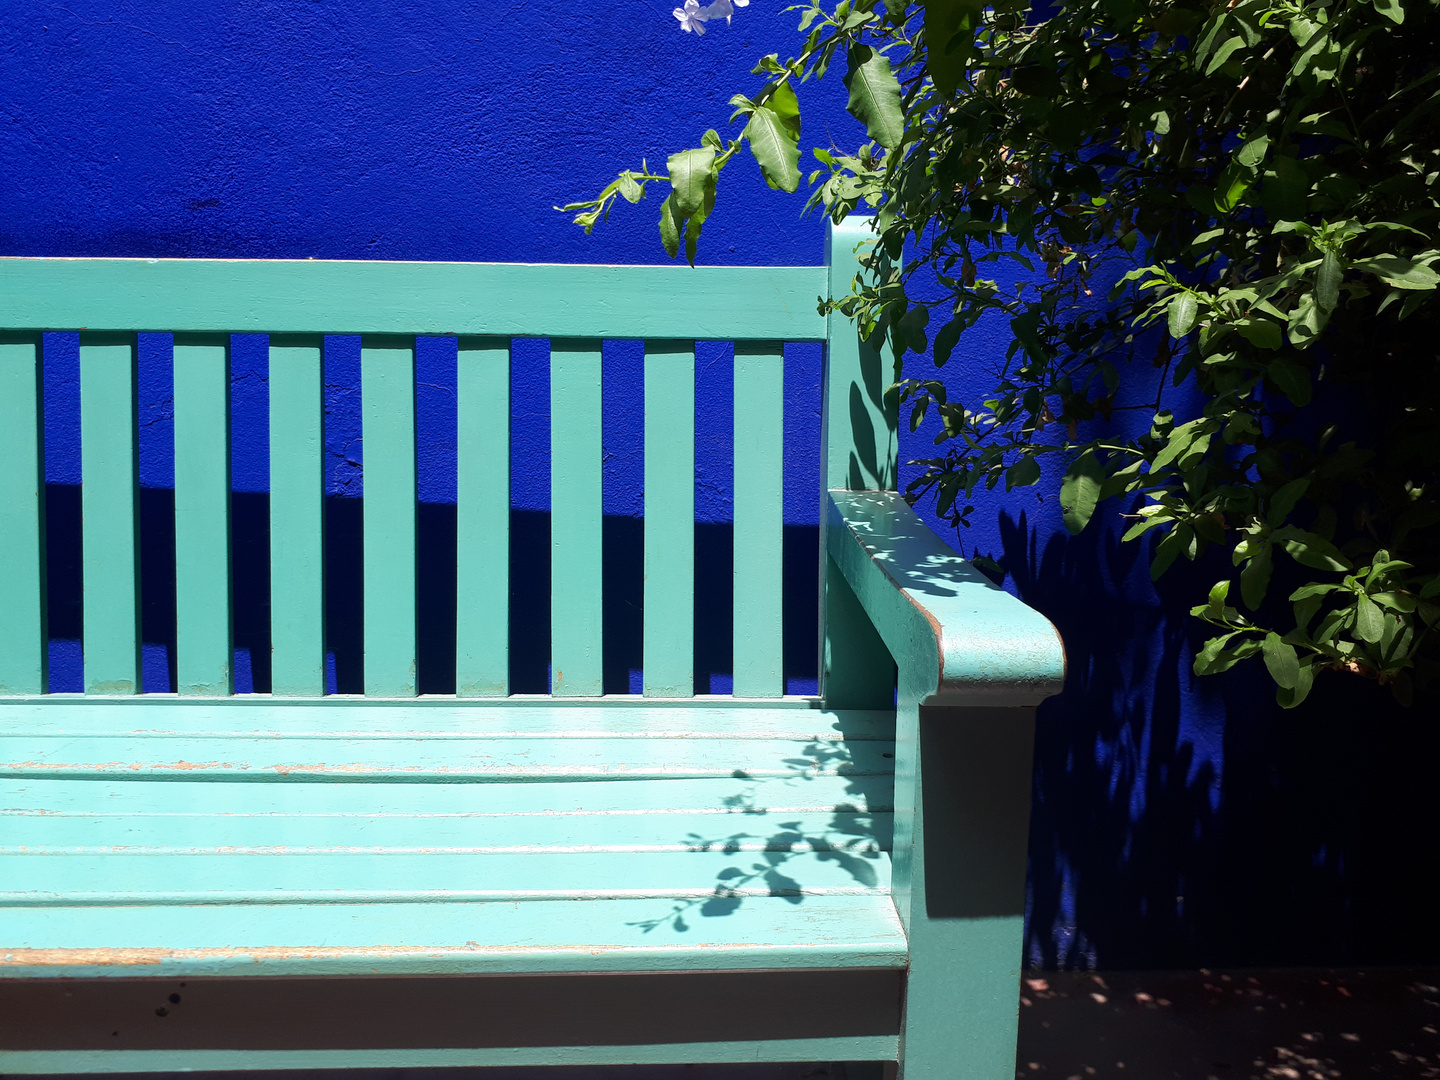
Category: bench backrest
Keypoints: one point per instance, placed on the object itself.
(484, 306)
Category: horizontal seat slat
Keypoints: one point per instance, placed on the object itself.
(79, 879)
(275, 834)
(498, 938)
(410, 760)
(315, 296)
(720, 798)
(252, 717)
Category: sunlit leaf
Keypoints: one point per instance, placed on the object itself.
(1281, 661)
(1080, 491)
(874, 95)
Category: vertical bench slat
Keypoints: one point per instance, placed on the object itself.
(297, 516)
(204, 651)
(482, 518)
(576, 519)
(110, 513)
(387, 391)
(23, 645)
(669, 652)
(759, 518)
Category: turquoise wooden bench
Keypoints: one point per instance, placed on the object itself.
(208, 880)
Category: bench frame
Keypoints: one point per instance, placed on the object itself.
(905, 623)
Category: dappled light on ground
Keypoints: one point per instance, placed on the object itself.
(1206, 1025)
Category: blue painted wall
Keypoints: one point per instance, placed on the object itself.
(1176, 822)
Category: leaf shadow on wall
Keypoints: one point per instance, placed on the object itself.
(1182, 822)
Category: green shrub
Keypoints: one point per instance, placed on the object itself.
(1270, 172)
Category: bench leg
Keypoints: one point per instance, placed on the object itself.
(960, 886)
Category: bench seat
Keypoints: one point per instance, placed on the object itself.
(151, 836)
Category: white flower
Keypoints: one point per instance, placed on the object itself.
(691, 17)
(721, 9)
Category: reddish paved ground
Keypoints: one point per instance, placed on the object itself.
(1265, 1025)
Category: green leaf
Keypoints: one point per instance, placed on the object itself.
(1210, 651)
(1223, 53)
(1305, 611)
(1180, 442)
(784, 104)
(874, 96)
(1284, 189)
(690, 172)
(1284, 500)
(1169, 548)
(1182, 314)
(1310, 550)
(949, 33)
(1142, 527)
(1281, 661)
(1233, 183)
(1080, 491)
(1400, 273)
(1252, 153)
(1306, 321)
(1307, 591)
(1219, 593)
(946, 340)
(1210, 36)
(1215, 658)
(1255, 578)
(1293, 380)
(1259, 331)
(912, 327)
(1327, 282)
(775, 146)
(692, 235)
(670, 226)
(1292, 696)
(628, 188)
(1391, 9)
(1369, 620)
(1023, 473)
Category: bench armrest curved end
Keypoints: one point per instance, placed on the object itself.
(958, 638)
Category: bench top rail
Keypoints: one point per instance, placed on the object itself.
(312, 296)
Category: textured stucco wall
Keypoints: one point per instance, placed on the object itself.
(1176, 822)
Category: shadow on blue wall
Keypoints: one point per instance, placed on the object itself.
(1181, 822)
(623, 592)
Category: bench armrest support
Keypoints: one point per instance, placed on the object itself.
(958, 638)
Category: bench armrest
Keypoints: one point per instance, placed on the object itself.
(958, 638)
